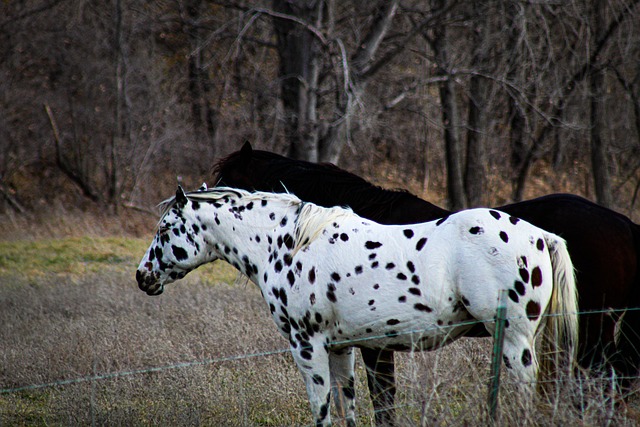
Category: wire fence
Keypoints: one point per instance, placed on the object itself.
(232, 358)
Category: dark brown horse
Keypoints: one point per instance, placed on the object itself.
(604, 247)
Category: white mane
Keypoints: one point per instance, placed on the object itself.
(313, 219)
(219, 193)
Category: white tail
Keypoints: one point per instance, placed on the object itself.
(560, 335)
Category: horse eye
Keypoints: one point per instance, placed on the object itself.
(163, 229)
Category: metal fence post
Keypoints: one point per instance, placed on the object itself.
(496, 358)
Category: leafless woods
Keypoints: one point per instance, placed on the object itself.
(116, 98)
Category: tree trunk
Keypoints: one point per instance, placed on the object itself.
(301, 59)
(299, 53)
(450, 121)
(203, 114)
(478, 92)
(599, 146)
(119, 132)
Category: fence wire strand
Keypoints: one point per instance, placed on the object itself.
(210, 361)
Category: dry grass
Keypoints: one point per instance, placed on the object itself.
(79, 313)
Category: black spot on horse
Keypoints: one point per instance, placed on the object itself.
(421, 244)
(411, 267)
(415, 279)
(476, 230)
(335, 277)
(390, 266)
(513, 220)
(520, 288)
(283, 221)
(505, 359)
(513, 296)
(495, 214)
(375, 264)
(536, 277)
(408, 233)
(524, 274)
(392, 322)
(372, 245)
(179, 253)
(349, 389)
(288, 241)
(540, 245)
(533, 310)
(344, 237)
(278, 266)
(358, 269)
(415, 291)
(312, 275)
(312, 299)
(287, 259)
(422, 307)
(401, 276)
(504, 236)
(402, 299)
(317, 379)
(526, 357)
(291, 277)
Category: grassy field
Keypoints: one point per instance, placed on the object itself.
(204, 353)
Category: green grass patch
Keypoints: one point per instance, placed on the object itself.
(77, 256)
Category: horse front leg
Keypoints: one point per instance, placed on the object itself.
(312, 359)
(381, 380)
(341, 364)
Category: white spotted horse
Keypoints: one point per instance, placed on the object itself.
(334, 280)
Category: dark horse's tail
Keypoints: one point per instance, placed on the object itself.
(628, 342)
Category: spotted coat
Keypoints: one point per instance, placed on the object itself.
(333, 280)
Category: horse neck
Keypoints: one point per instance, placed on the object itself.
(246, 237)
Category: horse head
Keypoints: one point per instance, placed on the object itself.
(176, 247)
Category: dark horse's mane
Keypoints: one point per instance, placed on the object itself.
(328, 183)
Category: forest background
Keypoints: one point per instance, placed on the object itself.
(105, 104)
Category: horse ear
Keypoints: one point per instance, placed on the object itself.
(246, 151)
(181, 198)
(203, 187)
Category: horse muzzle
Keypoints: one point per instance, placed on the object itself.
(148, 282)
